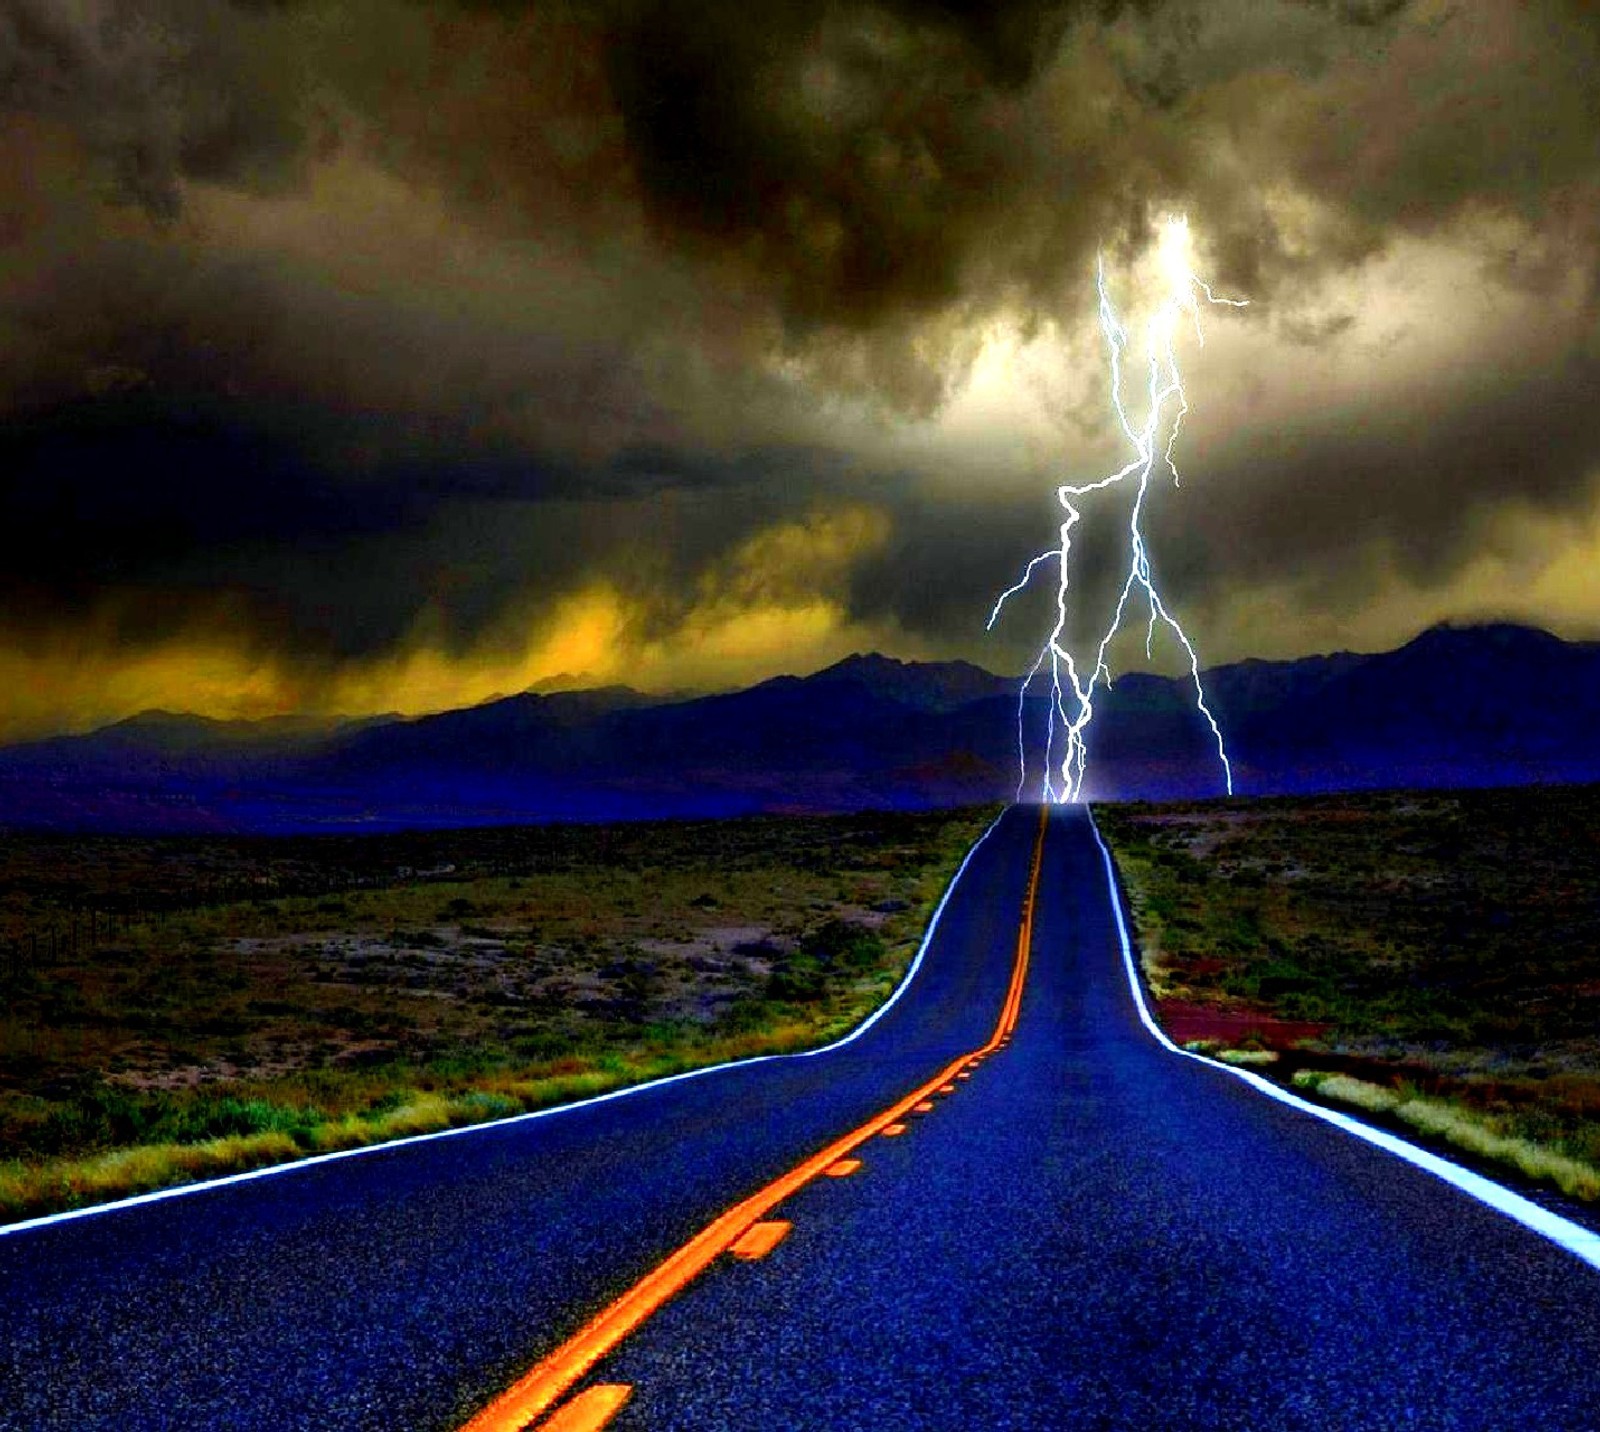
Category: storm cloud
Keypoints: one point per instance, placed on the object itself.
(346, 342)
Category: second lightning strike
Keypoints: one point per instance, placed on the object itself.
(1071, 705)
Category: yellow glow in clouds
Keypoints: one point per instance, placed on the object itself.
(772, 604)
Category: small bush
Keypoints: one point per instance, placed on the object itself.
(798, 980)
(843, 942)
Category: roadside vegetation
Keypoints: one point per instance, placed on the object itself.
(264, 1000)
(1428, 960)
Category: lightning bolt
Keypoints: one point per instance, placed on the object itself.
(1073, 684)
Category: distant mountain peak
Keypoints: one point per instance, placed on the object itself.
(860, 661)
(869, 662)
(926, 685)
(1450, 638)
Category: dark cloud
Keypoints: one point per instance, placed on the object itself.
(1360, 12)
(1315, 332)
(350, 309)
(847, 153)
(160, 90)
(165, 487)
(1416, 483)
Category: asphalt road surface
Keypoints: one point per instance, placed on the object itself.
(1091, 1232)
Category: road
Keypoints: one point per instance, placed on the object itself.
(1090, 1232)
(403, 1288)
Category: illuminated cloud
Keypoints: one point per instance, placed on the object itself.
(776, 603)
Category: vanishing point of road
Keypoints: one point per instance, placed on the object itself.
(1003, 1205)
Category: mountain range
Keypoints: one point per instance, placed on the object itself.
(1458, 705)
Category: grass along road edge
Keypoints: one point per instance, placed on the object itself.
(49, 1191)
(1359, 951)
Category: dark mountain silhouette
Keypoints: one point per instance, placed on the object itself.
(1471, 705)
(1458, 705)
(926, 686)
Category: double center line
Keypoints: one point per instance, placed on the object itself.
(538, 1390)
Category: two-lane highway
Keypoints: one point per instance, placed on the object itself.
(1088, 1231)
(405, 1287)
(1097, 1233)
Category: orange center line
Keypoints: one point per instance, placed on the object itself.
(759, 1239)
(547, 1381)
(592, 1410)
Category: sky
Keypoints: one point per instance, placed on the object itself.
(362, 356)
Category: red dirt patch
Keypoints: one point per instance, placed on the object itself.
(1185, 1022)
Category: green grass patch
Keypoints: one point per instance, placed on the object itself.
(519, 970)
(1459, 1125)
(1445, 942)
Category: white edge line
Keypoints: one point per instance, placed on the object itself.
(296, 1165)
(1581, 1242)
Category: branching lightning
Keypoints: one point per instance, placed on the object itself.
(1073, 685)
